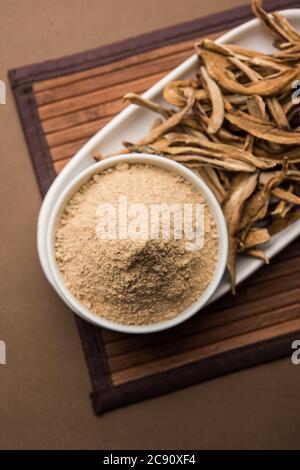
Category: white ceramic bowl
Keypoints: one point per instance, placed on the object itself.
(83, 177)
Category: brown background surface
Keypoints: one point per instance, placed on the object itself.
(45, 385)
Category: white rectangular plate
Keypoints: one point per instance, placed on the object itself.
(133, 123)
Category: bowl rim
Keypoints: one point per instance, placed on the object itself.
(86, 175)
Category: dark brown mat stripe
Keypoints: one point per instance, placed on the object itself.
(62, 103)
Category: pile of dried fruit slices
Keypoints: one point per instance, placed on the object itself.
(237, 124)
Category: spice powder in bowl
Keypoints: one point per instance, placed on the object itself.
(130, 272)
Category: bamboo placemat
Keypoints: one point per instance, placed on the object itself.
(61, 104)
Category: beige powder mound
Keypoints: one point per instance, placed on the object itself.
(133, 282)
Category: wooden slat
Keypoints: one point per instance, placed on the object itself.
(58, 166)
(108, 80)
(101, 96)
(205, 352)
(240, 327)
(76, 133)
(99, 111)
(132, 60)
(117, 352)
(67, 150)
